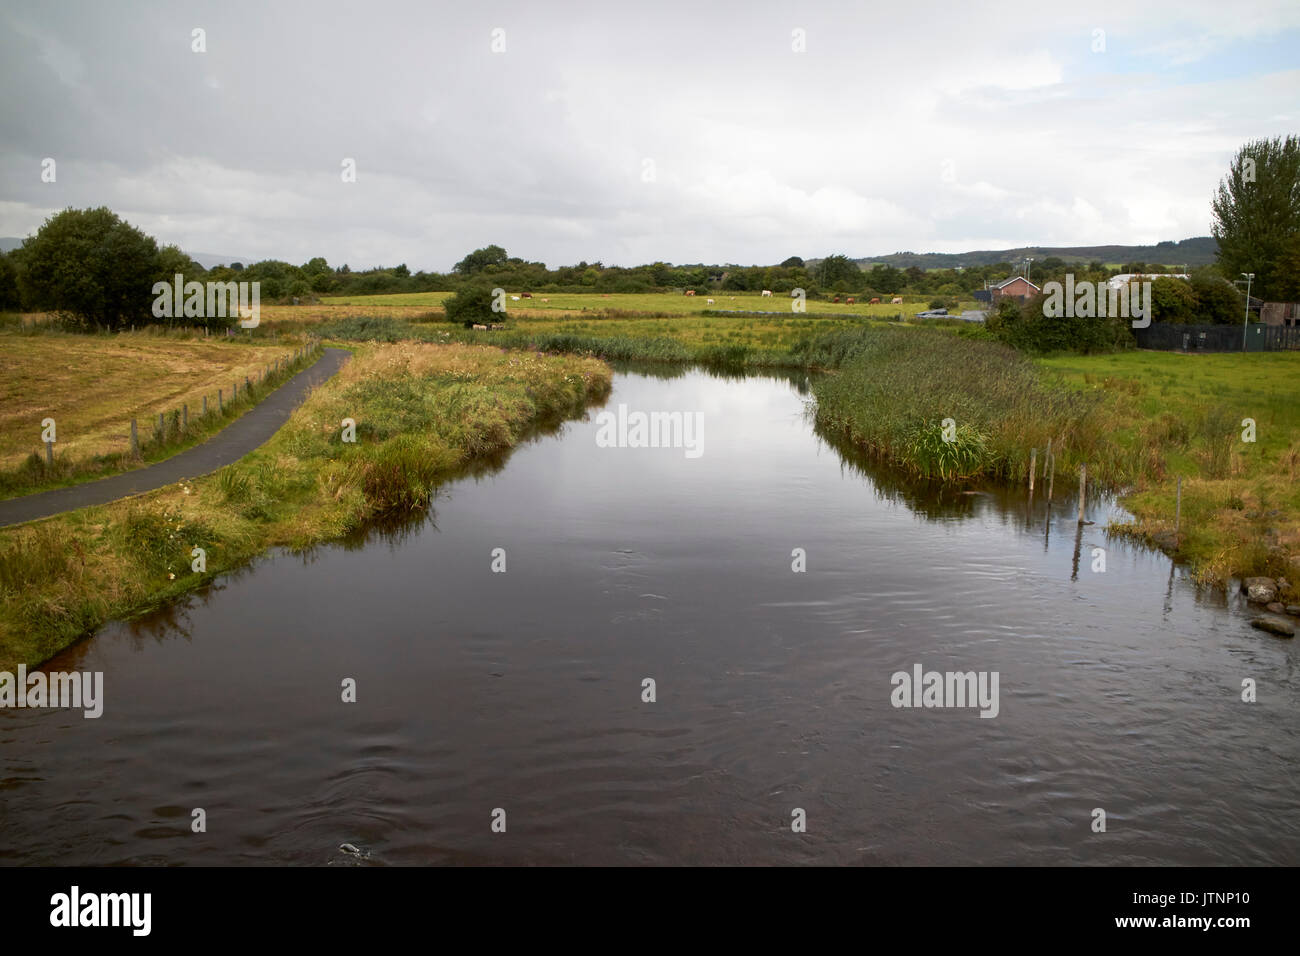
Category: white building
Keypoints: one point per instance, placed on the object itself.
(1124, 278)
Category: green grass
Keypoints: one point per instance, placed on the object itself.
(1182, 416)
(896, 387)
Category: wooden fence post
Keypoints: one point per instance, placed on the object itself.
(221, 405)
(185, 416)
(1083, 488)
(162, 427)
(205, 406)
(1033, 467)
(135, 440)
(49, 453)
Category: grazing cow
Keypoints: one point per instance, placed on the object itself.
(495, 326)
(690, 292)
(481, 328)
(767, 292)
(874, 301)
(836, 299)
(514, 298)
(896, 300)
(710, 302)
(546, 300)
(850, 300)
(528, 295)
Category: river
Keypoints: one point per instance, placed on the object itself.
(489, 701)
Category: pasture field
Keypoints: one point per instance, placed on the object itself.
(667, 303)
(93, 385)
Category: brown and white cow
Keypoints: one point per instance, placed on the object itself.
(690, 292)
(767, 292)
(896, 300)
(874, 301)
(850, 300)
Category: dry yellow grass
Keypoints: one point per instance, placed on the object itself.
(92, 386)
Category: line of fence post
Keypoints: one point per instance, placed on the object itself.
(185, 416)
(162, 427)
(49, 453)
(135, 440)
(1033, 467)
(221, 405)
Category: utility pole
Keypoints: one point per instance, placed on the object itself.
(1245, 325)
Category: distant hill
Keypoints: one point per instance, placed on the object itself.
(205, 259)
(1200, 251)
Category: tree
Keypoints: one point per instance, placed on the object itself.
(887, 279)
(90, 264)
(480, 259)
(1257, 212)
(10, 301)
(835, 269)
(171, 260)
(1218, 301)
(472, 304)
(1172, 300)
(794, 262)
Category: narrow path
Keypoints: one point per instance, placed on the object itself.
(247, 433)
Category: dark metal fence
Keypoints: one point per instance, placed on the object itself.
(1170, 337)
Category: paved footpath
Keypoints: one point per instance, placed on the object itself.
(247, 433)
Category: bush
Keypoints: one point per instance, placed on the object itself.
(1028, 329)
(472, 304)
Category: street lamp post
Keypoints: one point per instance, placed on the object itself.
(1029, 268)
(1245, 325)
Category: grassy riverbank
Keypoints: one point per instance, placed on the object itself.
(1187, 416)
(1139, 420)
(421, 413)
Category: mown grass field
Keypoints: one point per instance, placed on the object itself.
(421, 413)
(93, 385)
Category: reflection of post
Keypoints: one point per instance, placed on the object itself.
(1178, 509)
(1047, 524)
(1169, 591)
(1078, 547)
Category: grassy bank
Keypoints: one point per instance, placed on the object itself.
(421, 413)
(1185, 416)
(93, 385)
(1139, 420)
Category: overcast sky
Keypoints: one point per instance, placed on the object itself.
(633, 132)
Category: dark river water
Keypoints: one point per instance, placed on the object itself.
(522, 691)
